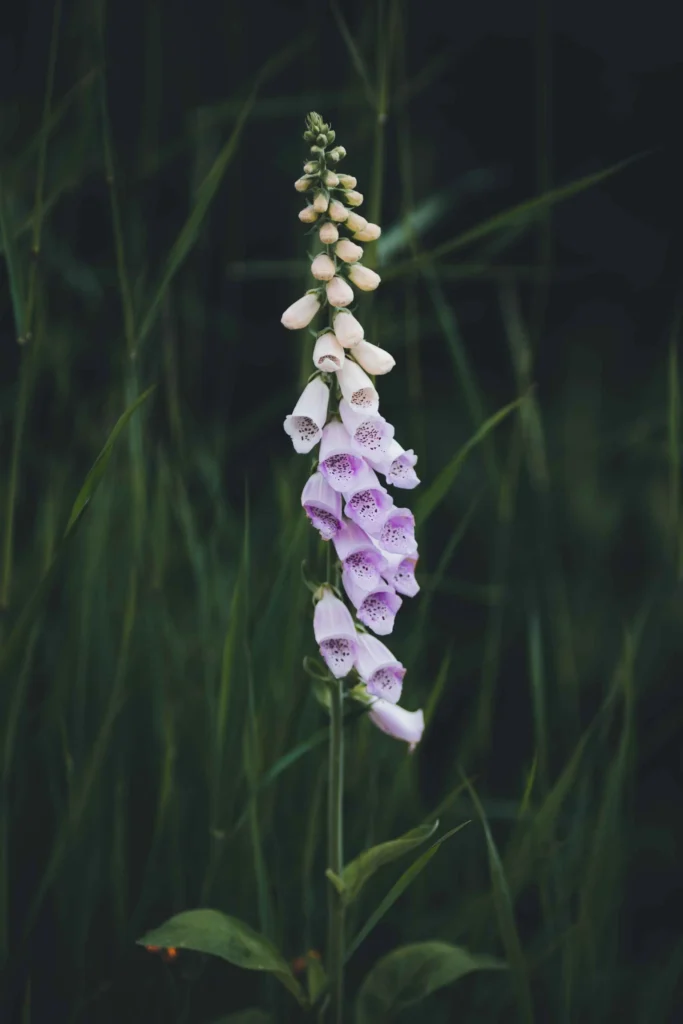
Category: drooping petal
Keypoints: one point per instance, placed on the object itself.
(397, 534)
(362, 560)
(323, 267)
(381, 672)
(338, 463)
(367, 502)
(335, 634)
(377, 608)
(301, 312)
(363, 277)
(397, 722)
(305, 424)
(328, 355)
(371, 435)
(400, 574)
(322, 505)
(357, 388)
(373, 359)
(347, 329)
(339, 292)
(397, 465)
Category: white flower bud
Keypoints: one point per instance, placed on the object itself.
(346, 250)
(355, 222)
(370, 233)
(308, 215)
(338, 212)
(373, 359)
(321, 202)
(328, 233)
(311, 167)
(338, 153)
(353, 198)
(301, 312)
(331, 179)
(347, 329)
(323, 267)
(339, 292)
(328, 355)
(364, 278)
(301, 184)
(347, 181)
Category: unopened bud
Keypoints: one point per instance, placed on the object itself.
(301, 184)
(346, 250)
(317, 149)
(331, 179)
(328, 355)
(331, 136)
(347, 181)
(322, 140)
(353, 198)
(309, 136)
(339, 292)
(338, 212)
(323, 267)
(355, 222)
(338, 153)
(311, 167)
(328, 233)
(321, 202)
(308, 215)
(364, 278)
(370, 233)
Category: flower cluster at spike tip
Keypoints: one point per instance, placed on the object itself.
(345, 498)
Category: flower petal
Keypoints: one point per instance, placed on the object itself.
(397, 722)
(305, 424)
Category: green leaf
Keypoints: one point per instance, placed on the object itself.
(94, 477)
(441, 484)
(398, 889)
(252, 1016)
(355, 875)
(210, 931)
(411, 973)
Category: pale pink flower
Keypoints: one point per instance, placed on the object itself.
(377, 608)
(322, 505)
(361, 559)
(308, 215)
(364, 278)
(338, 212)
(341, 466)
(329, 233)
(354, 221)
(397, 722)
(335, 634)
(373, 359)
(381, 672)
(346, 250)
(370, 233)
(321, 202)
(347, 181)
(301, 312)
(367, 503)
(400, 573)
(331, 179)
(305, 424)
(323, 267)
(353, 198)
(347, 329)
(398, 466)
(328, 355)
(370, 432)
(339, 292)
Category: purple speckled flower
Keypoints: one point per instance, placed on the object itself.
(400, 574)
(339, 463)
(397, 465)
(381, 672)
(305, 424)
(397, 722)
(335, 634)
(367, 502)
(362, 560)
(322, 506)
(371, 434)
(397, 534)
(377, 608)
(357, 388)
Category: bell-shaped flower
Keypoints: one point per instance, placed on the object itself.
(367, 502)
(338, 462)
(397, 722)
(322, 505)
(348, 251)
(335, 634)
(370, 233)
(306, 423)
(329, 233)
(337, 211)
(348, 330)
(339, 292)
(308, 215)
(397, 534)
(376, 608)
(347, 181)
(364, 278)
(301, 312)
(355, 222)
(371, 434)
(323, 267)
(400, 573)
(372, 358)
(362, 561)
(397, 467)
(381, 672)
(328, 355)
(353, 198)
(356, 387)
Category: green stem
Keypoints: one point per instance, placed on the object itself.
(335, 854)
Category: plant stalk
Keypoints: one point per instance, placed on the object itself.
(335, 854)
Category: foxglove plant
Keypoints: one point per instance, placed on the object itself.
(344, 498)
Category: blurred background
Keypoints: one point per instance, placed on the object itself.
(162, 747)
